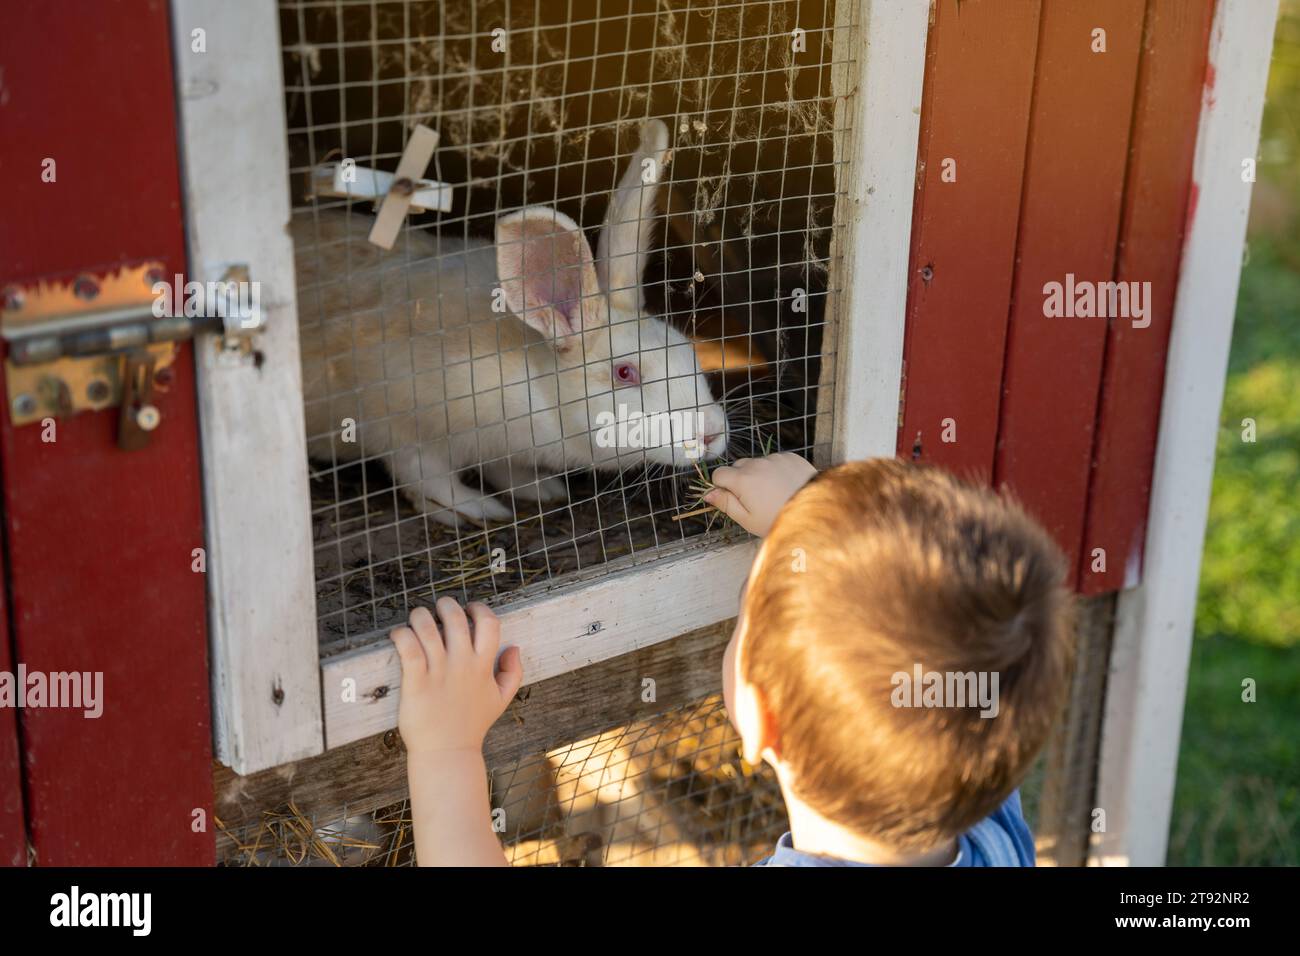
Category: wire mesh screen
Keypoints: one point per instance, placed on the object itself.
(629, 285)
(670, 790)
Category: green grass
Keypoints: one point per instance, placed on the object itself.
(1237, 800)
(1250, 581)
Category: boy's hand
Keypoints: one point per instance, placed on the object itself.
(450, 693)
(753, 490)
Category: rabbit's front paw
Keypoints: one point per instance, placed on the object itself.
(525, 483)
(481, 511)
(543, 490)
(450, 502)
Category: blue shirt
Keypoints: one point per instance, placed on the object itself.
(1000, 839)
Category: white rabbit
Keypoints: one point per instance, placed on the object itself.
(423, 350)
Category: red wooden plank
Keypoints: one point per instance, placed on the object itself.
(974, 120)
(1074, 180)
(1171, 78)
(99, 540)
(13, 828)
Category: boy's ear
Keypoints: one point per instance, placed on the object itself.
(771, 729)
(547, 274)
(624, 244)
(760, 734)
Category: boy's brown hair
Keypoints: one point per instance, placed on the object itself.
(876, 567)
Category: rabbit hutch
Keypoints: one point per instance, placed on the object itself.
(486, 289)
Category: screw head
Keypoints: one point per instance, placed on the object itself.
(85, 287)
(25, 405)
(147, 417)
(97, 391)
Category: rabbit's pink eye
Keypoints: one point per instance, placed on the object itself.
(625, 373)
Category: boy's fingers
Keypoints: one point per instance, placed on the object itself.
(725, 476)
(409, 652)
(455, 628)
(510, 673)
(731, 481)
(487, 629)
(734, 479)
(426, 631)
(728, 504)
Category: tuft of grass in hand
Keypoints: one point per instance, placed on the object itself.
(702, 484)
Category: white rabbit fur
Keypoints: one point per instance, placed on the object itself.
(407, 345)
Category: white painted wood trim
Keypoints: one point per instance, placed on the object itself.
(876, 239)
(1147, 682)
(558, 633)
(264, 658)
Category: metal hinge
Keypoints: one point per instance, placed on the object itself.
(98, 342)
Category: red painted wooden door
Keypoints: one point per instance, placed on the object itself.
(1158, 200)
(98, 541)
(1056, 146)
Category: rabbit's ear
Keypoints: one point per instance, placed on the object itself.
(547, 274)
(624, 243)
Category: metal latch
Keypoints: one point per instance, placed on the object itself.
(94, 343)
